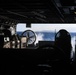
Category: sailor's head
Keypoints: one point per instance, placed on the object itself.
(63, 33)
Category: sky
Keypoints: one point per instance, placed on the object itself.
(47, 27)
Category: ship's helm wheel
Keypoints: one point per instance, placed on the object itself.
(30, 36)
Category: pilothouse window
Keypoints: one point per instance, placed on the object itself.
(21, 27)
(46, 32)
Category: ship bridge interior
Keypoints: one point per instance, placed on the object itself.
(29, 52)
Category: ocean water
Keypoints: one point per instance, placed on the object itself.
(48, 36)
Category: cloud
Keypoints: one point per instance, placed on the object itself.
(39, 37)
(73, 43)
(73, 46)
(44, 36)
(53, 27)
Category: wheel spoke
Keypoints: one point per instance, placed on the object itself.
(31, 36)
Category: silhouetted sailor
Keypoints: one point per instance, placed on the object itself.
(63, 41)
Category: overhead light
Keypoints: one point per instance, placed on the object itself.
(75, 12)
